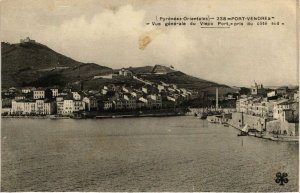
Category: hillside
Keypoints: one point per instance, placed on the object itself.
(34, 64)
(181, 79)
(27, 63)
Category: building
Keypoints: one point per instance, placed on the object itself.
(54, 92)
(59, 105)
(17, 107)
(44, 107)
(6, 102)
(38, 107)
(76, 96)
(125, 73)
(279, 107)
(160, 88)
(39, 94)
(129, 102)
(68, 107)
(27, 90)
(107, 105)
(258, 90)
(281, 91)
(118, 104)
(27, 40)
(78, 106)
(155, 101)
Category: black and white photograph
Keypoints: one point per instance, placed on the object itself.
(149, 95)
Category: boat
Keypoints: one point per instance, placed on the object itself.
(244, 131)
(54, 117)
(242, 134)
(202, 116)
(251, 134)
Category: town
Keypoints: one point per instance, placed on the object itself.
(267, 113)
(273, 112)
(74, 102)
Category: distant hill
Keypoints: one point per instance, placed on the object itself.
(34, 64)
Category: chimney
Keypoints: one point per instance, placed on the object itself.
(217, 98)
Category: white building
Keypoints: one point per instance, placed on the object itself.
(279, 108)
(108, 105)
(39, 107)
(54, 92)
(44, 108)
(38, 94)
(79, 106)
(87, 103)
(26, 90)
(76, 96)
(125, 73)
(68, 107)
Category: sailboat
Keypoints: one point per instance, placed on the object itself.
(244, 131)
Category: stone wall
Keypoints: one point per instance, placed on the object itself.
(253, 122)
(283, 128)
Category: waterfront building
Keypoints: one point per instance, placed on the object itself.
(6, 102)
(59, 105)
(68, 106)
(155, 101)
(78, 105)
(108, 105)
(93, 103)
(129, 102)
(44, 107)
(118, 104)
(29, 107)
(87, 103)
(279, 107)
(140, 104)
(5, 111)
(39, 107)
(17, 107)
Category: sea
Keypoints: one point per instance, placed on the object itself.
(140, 154)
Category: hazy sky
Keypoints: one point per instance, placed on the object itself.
(108, 33)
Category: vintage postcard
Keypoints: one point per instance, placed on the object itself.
(149, 96)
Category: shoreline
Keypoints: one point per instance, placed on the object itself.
(271, 138)
(103, 116)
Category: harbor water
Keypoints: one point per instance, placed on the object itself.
(140, 154)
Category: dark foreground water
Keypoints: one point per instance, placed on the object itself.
(140, 154)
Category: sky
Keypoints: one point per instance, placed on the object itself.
(115, 34)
